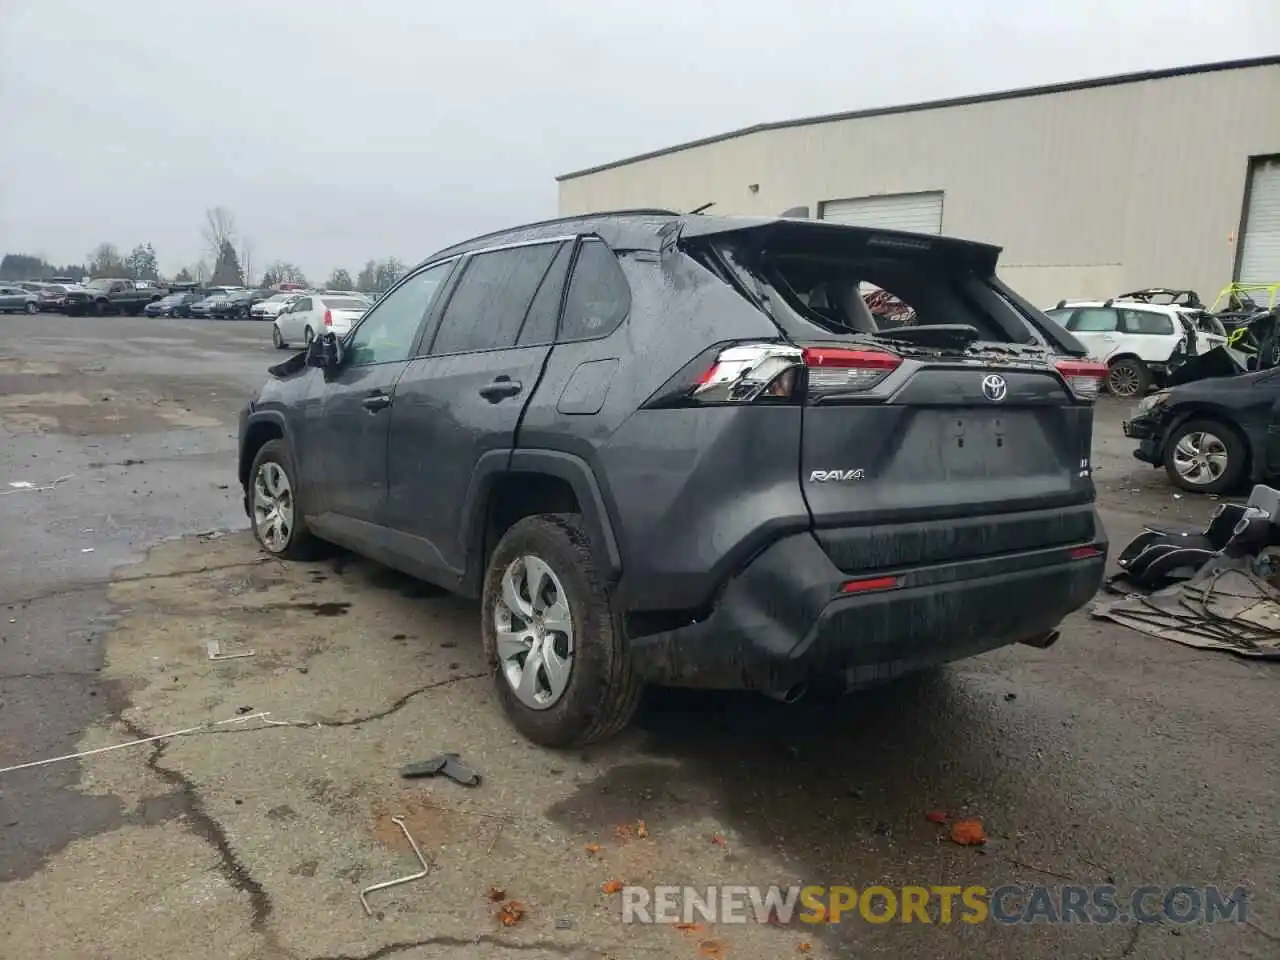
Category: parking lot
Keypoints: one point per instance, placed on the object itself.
(1108, 758)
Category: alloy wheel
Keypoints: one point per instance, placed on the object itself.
(1123, 380)
(273, 506)
(534, 628)
(1200, 458)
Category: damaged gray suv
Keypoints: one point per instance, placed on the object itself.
(683, 450)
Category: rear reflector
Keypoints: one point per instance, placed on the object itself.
(837, 370)
(1084, 377)
(870, 585)
(328, 318)
(1085, 553)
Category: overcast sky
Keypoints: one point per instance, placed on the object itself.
(336, 131)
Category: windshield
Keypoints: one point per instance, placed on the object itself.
(344, 303)
(99, 284)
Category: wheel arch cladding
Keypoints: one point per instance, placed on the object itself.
(535, 482)
(257, 434)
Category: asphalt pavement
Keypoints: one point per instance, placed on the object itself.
(1109, 759)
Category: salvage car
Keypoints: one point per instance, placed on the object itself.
(313, 314)
(16, 299)
(1212, 435)
(679, 450)
(270, 308)
(203, 308)
(110, 295)
(237, 304)
(1139, 340)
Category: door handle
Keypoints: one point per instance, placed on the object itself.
(375, 402)
(501, 388)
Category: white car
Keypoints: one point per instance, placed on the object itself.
(1141, 342)
(270, 308)
(313, 314)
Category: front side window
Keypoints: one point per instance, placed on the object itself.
(388, 331)
(1094, 320)
(489, 304)
(599, 296)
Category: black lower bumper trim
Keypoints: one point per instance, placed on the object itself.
(783, 621)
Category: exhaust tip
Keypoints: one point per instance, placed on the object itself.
(1042, 642)
(789, 694)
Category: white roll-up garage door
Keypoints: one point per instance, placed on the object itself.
(1260, 246)
(916, 212)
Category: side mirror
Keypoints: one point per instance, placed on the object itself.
(325, 351)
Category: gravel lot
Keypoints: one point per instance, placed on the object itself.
(1111, 757)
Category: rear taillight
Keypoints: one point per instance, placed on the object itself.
(773, 373)
(841, 370)
(328, 318)
(1084, 377)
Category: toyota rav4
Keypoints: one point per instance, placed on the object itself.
(681, 450)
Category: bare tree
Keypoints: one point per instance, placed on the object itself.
(246, 260)
(219, 229)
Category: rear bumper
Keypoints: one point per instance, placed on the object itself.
(784, 621)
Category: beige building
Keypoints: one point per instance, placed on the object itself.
(1168, 178)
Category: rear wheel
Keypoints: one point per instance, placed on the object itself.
(554, 642)
(99, 308)
(1128, 377)
(31, 308)
(1205, 456)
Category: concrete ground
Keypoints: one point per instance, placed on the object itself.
(1110, 758)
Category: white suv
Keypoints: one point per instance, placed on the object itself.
(1140, 341)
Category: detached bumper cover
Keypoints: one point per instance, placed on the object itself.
(783, 619)
(1149, 433)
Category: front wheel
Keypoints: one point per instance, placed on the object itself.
(276, 340)
(1205, 456)
(555, 644)
(278, 524)
(1128, 377)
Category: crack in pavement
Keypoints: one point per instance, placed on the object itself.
(208, 829)
(88, 585)
(548, 946)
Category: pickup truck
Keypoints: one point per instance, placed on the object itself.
(109, 295)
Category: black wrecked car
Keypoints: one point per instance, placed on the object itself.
(679, 449)
(1212, 435)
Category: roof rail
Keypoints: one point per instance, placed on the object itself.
(1108, 303)
(1061, 304)
(632, 212)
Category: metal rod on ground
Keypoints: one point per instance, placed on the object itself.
(426, 868)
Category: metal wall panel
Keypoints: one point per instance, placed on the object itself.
(914, 212)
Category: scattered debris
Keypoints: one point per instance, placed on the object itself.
(214, 647)
(86, 549)
(593, 848)
(202, 728)
(624, 831)
(711, 949)
(426, 868)
(445, 765)
(936, 816)
(510, 913)
(803, 947)
(496, 894)
(1010, 696)
(688, 927)
(611, 886)
(564, 923)
(26, 486)
(968, 833)
(718, 840)
(642, 831)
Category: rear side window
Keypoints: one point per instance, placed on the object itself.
(1094, 320)
(490, 302)
(540, 322)
(599, 295)
(1059, 317)
(1144, 321)
(341, 303)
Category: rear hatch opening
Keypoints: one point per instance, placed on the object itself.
(943, 419)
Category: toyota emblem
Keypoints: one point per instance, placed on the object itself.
(994, 387)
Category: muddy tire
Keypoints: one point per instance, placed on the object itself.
(555, 645)
(1128, 377)
(274, 512)
(1205, 456)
